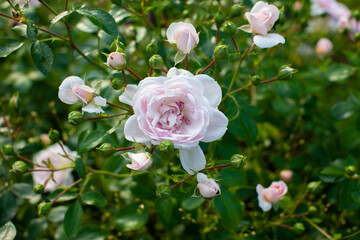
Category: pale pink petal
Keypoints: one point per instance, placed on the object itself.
(201, 177)
(182, 41)
(212, 90)
(132, 131)
(258, 6)
(66, 94)
(92, 108)
(128, 94)
(268, 40)
(176, 72)
(100, 101)
(192, 159)
(274, 14)
(257, 26)
(217, 127)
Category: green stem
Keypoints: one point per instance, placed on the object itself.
(318, 228)
(115, 174)
(103, 117)
(48, 7)
(250, 85)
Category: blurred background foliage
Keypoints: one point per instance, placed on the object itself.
(309, 124)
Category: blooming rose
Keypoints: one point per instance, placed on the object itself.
(116, 60)
(53, 155)
(324, 46)
(139, 161)
(272, 194)
(207, 186)
(262, 18)
(286, 175)
(180, 107)
(73, 90)
(184, 35)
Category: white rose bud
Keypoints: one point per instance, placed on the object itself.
(117, 60)
(139, 161)
(184, 35)
(207, 186)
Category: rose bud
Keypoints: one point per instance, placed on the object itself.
(324, 46)
(54, 135)
(75, 118)
(20, 167)
(350, 170)
(219, 19)
(255, 80)
(9, 150)
(229, 28)
(207, 186)
(286, 72)
(286, 175)
(152, 49)
(106, 149)
(39, 188)
(139, 161)
(117, 83)
(221, 51)
(44, 208)
(272, 194)
(298, 228)
(166, 146)
(156, 62)
(117, 60)
(235, 10)
(238, 161)
(183, 35)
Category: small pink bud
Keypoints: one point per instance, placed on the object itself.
(272, 194)
(298, 6)
(324, 46)
(139, 161)
(207, 186)
(83, 92)
(117, 60)
(286, 175)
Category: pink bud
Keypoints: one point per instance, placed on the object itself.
(298, 6)
(117, 60)
(272, 194)
(139, 161)
(207, 186)
(184, 35)
(83, 92)
(324, 46)
(286, 175)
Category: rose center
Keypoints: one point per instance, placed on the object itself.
(172, 117)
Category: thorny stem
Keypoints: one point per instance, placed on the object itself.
(133, 73)
(66, 189)
(180, 182)
(235, 45)
(207, 67)
(66, 4)
(250, 85)
(117, 106)
(103, 117)
(124, 77)
(131, 11)
(318, 228)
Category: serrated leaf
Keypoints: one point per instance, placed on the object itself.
(42, 56)
(94, 198)
(72, 220)
(101, 19)
(8, 45)
(60, 16)
(7, 231)
(31, 30)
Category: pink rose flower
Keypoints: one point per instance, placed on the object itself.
(286, 175)
(53, 154)
(73, 90)
(324, 46)
(139, 161)
(272, 194)
(181, 108)
(262, 18)
(184, 35)
(208, 188)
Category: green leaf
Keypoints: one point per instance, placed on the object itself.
(72, 220)
(42, 56)
(101, 19)
(165, 210)
(31, 30)
(91, 233)
(89, 139)
(244, 127)
(340, 72)
(57, 214)
(179, 57)
(8, 207)
(71, 194)
(144, 187)
(131, 217)
(80, 167)
(7, 231)
(348, 195)
(231, 177)
(23, 190)
(8, 45)
(60, 16)
(346, 109)
(192, 203)
(36, 228)
(230, 209)
(94, 198)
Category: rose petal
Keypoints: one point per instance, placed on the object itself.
(66, 94)
(173, 72)
(258, 6)
(268, 40)
(212, 90)
(128, 94)
(217, 127)
(257, 26)
(192, 159)
(201, 177)
(100, 101)
(182, 41)
(92, 108)
(132, 131)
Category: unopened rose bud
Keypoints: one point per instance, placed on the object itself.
(9, 150)
(219, 19)
(324, 46)
(221, 51)
(20, 167)
(314, 186)
(117, 60)
(298, 228)
(117, 83)
(350, 170)
(238, 161)
(139, 161)
(298, 6)
(166, 146)
(236, 10)
(183, 35)
(54, 135)
(156, 62)
(106, 149)
(286, 72)
(163, 192)
(286, 175)
(230, 28)
(44, 208)
(39, 188)
(207, 187)
(152, 49)
(14, 101)
(255, 80)
(75, 118)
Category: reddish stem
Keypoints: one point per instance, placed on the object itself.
(164, 71)
(124, 77)
(150, 72)
(207, 67)
(125, 148)
(65, 190)
(235, 45)
(186, 62)
(29, 161)
(133, 73)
